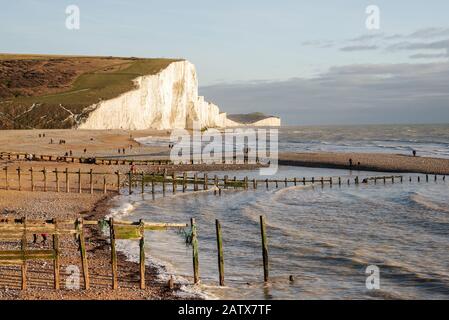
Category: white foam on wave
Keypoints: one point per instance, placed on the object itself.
(164, 270)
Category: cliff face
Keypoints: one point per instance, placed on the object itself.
(166, 100)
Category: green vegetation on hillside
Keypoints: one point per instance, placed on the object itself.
(33, 81)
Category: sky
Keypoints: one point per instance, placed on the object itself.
(309, 62)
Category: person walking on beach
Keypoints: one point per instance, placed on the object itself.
(350, 162)
(44, 238)
(414, 153)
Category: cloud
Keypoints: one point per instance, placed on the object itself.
(359, 48)
(429, 55)
(319, 43)
(382, 93)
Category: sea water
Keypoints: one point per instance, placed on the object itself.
(321, 240)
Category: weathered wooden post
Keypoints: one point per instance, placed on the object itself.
(6, 178)
(163, 181)
(254, 184)
(130, 182)
(339, 181)
(19, 179)
(174, 182)
(24, 248)
(216, 181)
(82, 246)
(419, 179)
(286, 182)
(56, 249)
(220, 253)
(331, 182)
(67, 182)
(294, 181)
(142, 254)
(196, 274)
(118, 182)
(322, 182)
(246, 183)
(91, 181)
(392, 179)
(304, 180)
(435, 178)
(264, 248)
(142, 176)
(266, 183)
(205, 187)
(57, 179)
(45, 179)
(356, 180)
(32, 179)
(195, 182)
(313, 180)
(276, 183)
(79, 181)
(427, 178)
(225, 181)
(235, 182)
(104, 185)
(384, 179)
(152, 185)
(113, 255)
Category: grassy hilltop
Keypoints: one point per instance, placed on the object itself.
(48, 92)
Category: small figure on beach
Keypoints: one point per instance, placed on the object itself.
(414, 153)
(123, 150)
(51, 141)
(71, 153)
(350, 162)
(44, 238)
(85, 150)
(119, 151)
(66, 154)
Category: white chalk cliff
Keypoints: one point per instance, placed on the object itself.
(166, 100)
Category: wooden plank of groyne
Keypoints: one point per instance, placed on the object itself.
(196, 273)
(67, 182)
(82, 246)
(264, 248)
(79, 181)
(91, 182)
(220, 253)
(113, 255)
(142, 254)
(118, 181)
(56, 261)
(57, 179)
(24, 248)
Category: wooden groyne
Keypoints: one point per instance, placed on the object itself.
(98, 160)
(78, 181)
(19, 230)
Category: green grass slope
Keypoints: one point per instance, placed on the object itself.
(41, 91)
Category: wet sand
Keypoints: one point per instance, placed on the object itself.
(381, 162)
